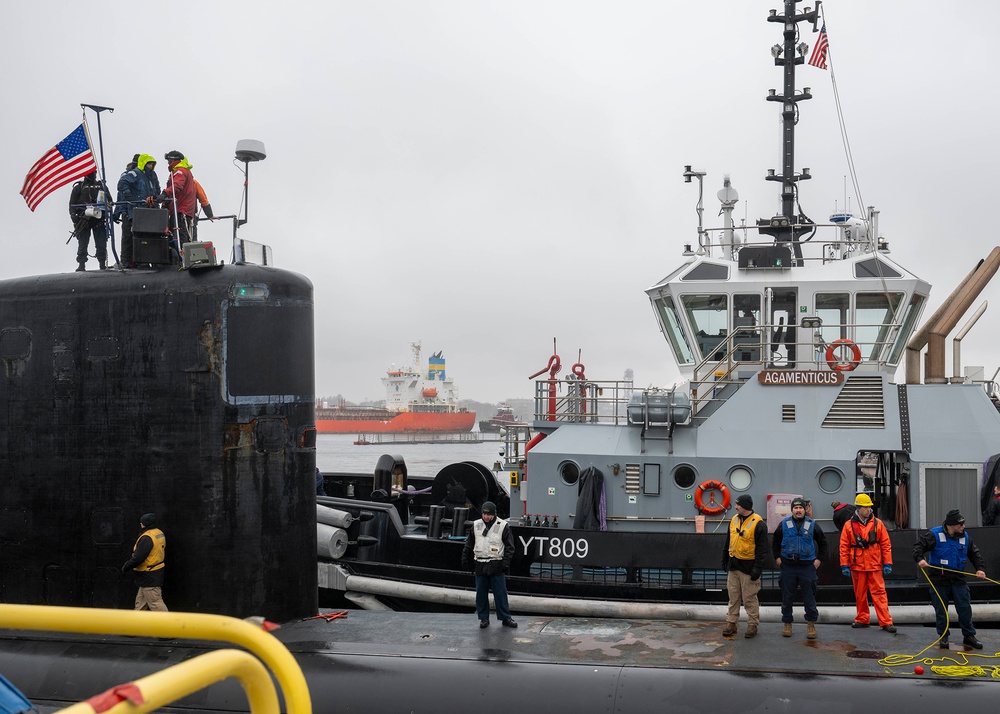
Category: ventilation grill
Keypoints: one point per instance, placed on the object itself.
(860, 405)
(787, 412)
(633, 478)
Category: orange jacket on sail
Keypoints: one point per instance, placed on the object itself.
(203, 199)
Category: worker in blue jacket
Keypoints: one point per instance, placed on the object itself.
(943, 552)
(799, 547)
(137, 187)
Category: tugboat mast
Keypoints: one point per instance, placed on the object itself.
(788, 55)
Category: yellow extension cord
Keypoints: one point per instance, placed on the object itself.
(962, 667)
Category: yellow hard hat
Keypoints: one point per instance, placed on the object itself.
(863, 500)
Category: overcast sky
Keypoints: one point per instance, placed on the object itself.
(485, 176)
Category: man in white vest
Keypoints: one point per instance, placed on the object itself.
(490, 546)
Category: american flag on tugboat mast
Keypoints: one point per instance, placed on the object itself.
(818, 56)
(70, 159)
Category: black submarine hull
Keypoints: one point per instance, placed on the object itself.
(387, 662)
(184, 393)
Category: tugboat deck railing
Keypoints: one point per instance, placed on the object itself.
(714, 373)
(713, 244)
(581, 401)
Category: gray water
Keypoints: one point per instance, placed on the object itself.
(338, 453)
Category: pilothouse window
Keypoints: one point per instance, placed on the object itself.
(834, 309)
(872, 326)
(670, 322)
(708, 271)
(872, 268)
(909, 322)
(874, 314)
(708, 316)
(746, 333)
(783, 308)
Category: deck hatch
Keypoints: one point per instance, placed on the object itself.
(651, 479)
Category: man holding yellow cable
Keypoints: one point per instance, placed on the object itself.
(944, 551)
(866, 558)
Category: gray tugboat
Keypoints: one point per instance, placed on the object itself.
(788, 334)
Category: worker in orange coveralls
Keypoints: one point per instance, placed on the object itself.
(866, 556)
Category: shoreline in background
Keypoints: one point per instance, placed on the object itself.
(338, 453)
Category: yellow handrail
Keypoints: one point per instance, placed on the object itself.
(187, 625)
(169, 685)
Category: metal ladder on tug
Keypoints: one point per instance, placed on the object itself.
(713, 391)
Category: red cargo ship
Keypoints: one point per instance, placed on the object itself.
(415, 401)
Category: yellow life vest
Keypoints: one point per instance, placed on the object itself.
(742, 545)
(153, 561)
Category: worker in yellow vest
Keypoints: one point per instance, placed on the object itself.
(743, 557)
(147, 565)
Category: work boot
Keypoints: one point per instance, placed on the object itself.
(889, 628)
(103, 264)
(509, 622)
(80, 268)
(810, 630)
(943, 644)
(483, 624)
(786, 631)
(750, 633)
(729, 630)
(971, 641)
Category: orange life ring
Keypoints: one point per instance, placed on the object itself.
(713, 486)
(841, 365)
